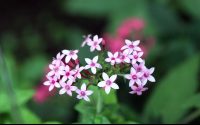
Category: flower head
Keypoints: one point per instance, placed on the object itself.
(87, 39)
(131, 46)
(52, 82)
(112, 58)
(137, 89)
(140, 67)
(147, 75)
(108, 83)
(68, 74)
(77, 71)
(83, 93)
(124, 57)
(95, 43)
(136, 57)
(67, 88)
(134, 77)
(57, 70)
(70, 54)
(92, 64)
(58, 59)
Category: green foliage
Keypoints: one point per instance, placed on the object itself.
(52, 122)
(22, 97)
(167, 98)
(29, 117)
(193, 101)
(110, 98)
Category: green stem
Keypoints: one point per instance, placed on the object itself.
(191, 117)
(99, 101)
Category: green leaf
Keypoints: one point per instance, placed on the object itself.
(193, 101)
(85, 108)
(131, 122)
(29, 117)
(100, 119)
(168, 96)
(110, 98)
(52, 122)
(22, 96)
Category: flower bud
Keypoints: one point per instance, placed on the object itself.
(77, 61)
(103, 42)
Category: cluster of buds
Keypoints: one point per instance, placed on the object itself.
(99, 71)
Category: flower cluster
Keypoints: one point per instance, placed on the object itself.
(66, 74)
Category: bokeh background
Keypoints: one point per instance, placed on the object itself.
(33, 32)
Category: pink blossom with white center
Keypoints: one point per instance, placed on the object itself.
(140, 67)
(87, 39)
(137, 90)
(131, 46)
(134, 77)
(57, 70)
(136, 57)
(124, 57)
(77, 71)
(68, 74)
(95, 43)
(112, 58)
(67, 88)
(52, 82)
(93, 64)
(108, 83)
(58, 59)
(83, 93)
(147, 75)
(70, 54)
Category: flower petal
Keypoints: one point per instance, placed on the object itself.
(47, 83)
(62, 91)
(51, 87)
(87, 66)
(140, 54)
(116, 54)
(95, 38)
(89, 92)
(139, 60)
(107, 59)
(73, 88)
(133, 70)
(101, 84)
(131, 82)
(105, 76)
(95, 59)
(124, 47)
(139, 93)
(135, 43)
(79, 97)
(151, 78)
(132, 92)
(128, 41)
(67, 58)
(138, 82)
(67, 69)
(86, 98)
(107, 89)
(92, 48)
(93, 70)
(151, 70)
(69, 93)
(110, 55)
(74, 57)
(51, 66)
(98, 66)
(128, 76)
(83, 87)
(98, 47)
(113, 78)
(137, 48)
(50, 73)
(133, 61)
(65, 52)
(140, 74)
(57, 85)
(114, 86)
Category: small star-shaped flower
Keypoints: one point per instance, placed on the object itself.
(58, 59)
(52, 82)
(147, 75)
(112, 58)
(124, 57)
(131, 46)
(92, 64)
(68, 74)
(77, 71)
(57, 70)
(83, 93)
(136, 57)
(137, 90)
(70, 54)
(95, 43)
(108, 83)
(87, 39)
(67, 88)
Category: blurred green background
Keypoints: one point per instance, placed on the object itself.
(32, 32)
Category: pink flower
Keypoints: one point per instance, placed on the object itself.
(95, 43)
(147, 75)
(140, 67)
(137, 24)
(70, 54)
(92, 64)
(57, 70)
(134, 77)
(83, 93)
(108, 83)
(58, 59)
(136, 57)
(131, 45)
(52, 82)
(77, 71)
(112, 58)
(137, 90)
(67, 88)
(68, 74)
(87, 39)
(124, 57)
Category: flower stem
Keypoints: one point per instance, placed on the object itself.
(191, 117)
(99, 101)
(84, 76)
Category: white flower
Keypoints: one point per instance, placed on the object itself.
(131, 45)
(83, 93)
(136, 57)
(112, 58)
(70, 54)
(52, 82)
(108, 83)
(95, 43)
(92, 64)
(67, 88)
